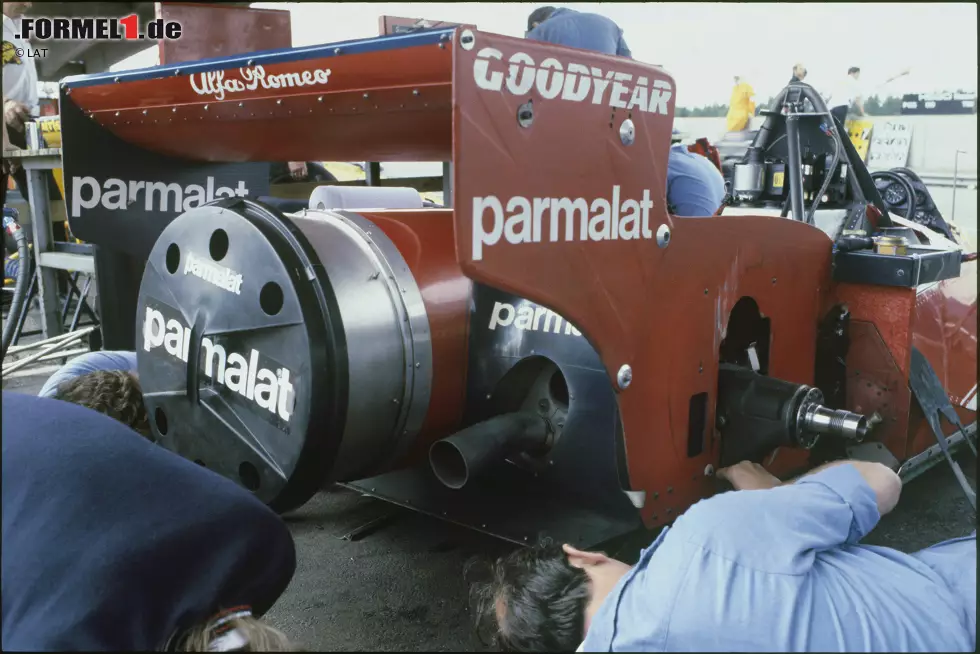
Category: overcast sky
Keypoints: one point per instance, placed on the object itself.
(703, 45)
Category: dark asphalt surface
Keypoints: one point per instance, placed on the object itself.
(402, 588)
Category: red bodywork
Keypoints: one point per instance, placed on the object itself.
(230, 30)
(663, 311)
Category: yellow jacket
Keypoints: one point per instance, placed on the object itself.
(741, 107)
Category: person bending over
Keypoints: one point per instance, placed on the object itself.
(576, 29)
(694, 186)
(105, 381)
(768, 567)
(115, 393)
(111, 543)
(89, 362)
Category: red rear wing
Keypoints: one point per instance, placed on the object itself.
(559, 173)
(389, 103)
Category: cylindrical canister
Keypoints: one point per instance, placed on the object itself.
(33, 135)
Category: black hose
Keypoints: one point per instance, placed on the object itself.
(794, 167)
(12, 227)
(911, 202)
(908, 173)
(827, 178)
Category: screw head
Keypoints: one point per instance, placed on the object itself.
(627, 132)
(525, 114)
(624, 377)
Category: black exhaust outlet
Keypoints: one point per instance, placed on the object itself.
(457, 459)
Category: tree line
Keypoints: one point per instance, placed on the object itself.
(873, 106)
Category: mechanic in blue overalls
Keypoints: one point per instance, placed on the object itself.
(770, 567)
(694, 186)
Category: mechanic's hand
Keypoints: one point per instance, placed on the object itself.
(297, 169)
(14, 114)
(748, 476)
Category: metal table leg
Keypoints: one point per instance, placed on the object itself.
(83, 304)
(43, 238)
(72, 289)
(447, 184)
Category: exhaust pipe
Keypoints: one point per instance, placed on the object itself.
(457, 459)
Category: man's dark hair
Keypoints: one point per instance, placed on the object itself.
(539, 15)
(115, 393)
(853, 69)
(536, 600)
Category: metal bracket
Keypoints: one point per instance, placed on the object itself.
(929, 392)
(874, 452)
(925, 461)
